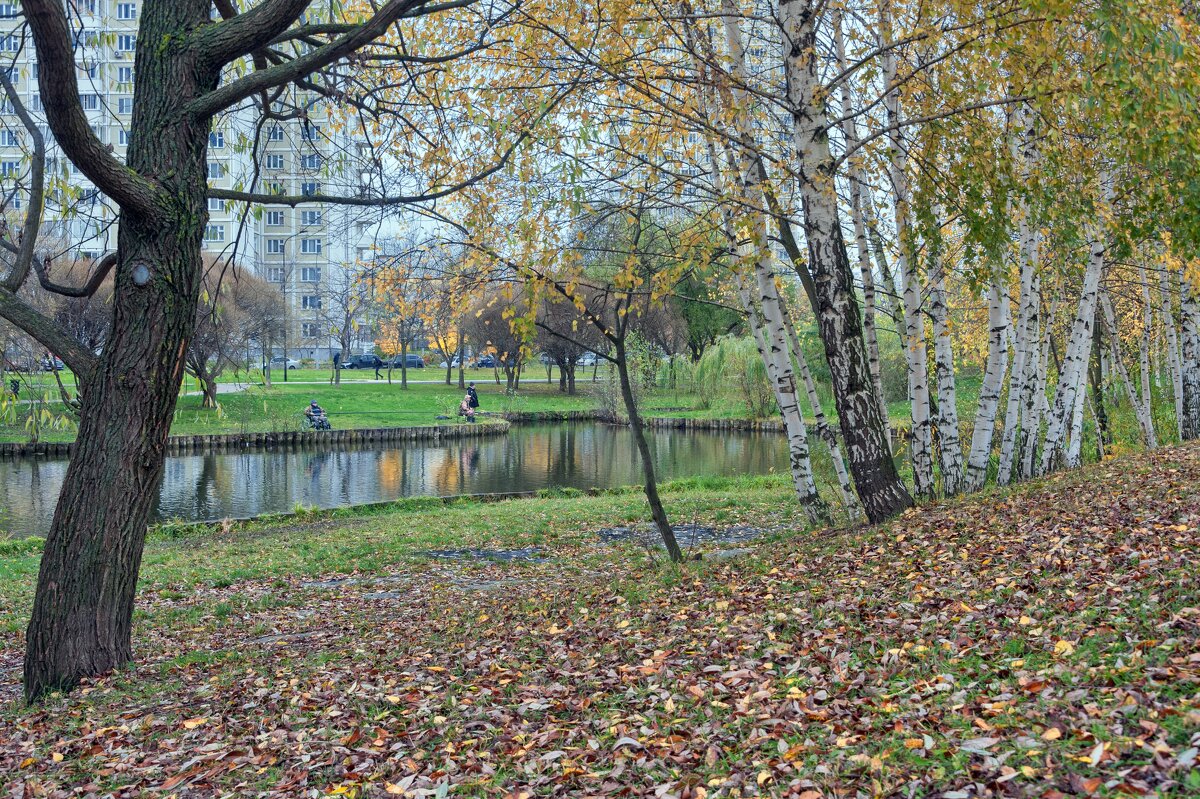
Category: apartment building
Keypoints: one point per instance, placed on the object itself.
(309, 252)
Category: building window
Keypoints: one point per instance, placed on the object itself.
(275, 246)
(310, 161)
(126, 43)
(309, 188)
(9, 168)
(216, 204)
(274, 161)
(9, 138)
(214, 233)
(124, 105)
(310, 217)
(276, 274)
(310, 274)
(90, 102)
(311, 302)
(276, 133)
(126, 10)
(215, 169)
(310, 329)
(311, 131)
(125, 75)
(11, 43)
(310, 246)
(275, 218)
(99, 131)
(123, 137)
(8, 10)
(216, 140)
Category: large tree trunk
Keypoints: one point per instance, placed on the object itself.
(864, 427)
(83, 607)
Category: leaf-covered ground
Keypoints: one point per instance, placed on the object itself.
(1040, 642)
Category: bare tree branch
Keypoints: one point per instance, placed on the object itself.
(88, 289)
(60, 100)
(49, 334)
(37, 186)
(232, 93)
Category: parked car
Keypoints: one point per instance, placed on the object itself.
(413, 361)
(279, 362)
(365, 361)
(485, 362)
(52, 364)
(588, 359)
(451, 364)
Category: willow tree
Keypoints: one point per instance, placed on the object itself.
(192, 65)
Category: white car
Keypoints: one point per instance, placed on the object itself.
(279, 361)
(587, 359)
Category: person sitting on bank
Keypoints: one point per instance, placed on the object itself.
(316, 417)
(465, 409)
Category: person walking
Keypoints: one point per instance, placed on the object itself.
(337, 363)
(378, 363)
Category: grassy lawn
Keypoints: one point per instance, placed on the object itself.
(1033, 642)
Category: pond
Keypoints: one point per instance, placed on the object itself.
(240, 483)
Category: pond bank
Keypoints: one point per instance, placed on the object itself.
(291, 438)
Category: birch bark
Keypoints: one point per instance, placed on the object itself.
(864, 427)
(1070, 379)
(1028, 303)
(1140, 405)
(993, 383)
(858, 179)
(921, 434)
(1167, 318)
(750, 244)
(1189, 311)
(849, 500)
(949, 441)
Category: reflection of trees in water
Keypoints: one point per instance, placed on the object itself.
(244, 483)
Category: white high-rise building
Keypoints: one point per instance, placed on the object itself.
(309, 252)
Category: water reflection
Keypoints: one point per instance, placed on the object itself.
(218, 485)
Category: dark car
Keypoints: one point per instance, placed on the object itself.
(486, 362)
(363, 362)
(411, 361)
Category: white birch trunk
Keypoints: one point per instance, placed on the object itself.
(1079, 345)
(768, 331)
(1189, 312)
(1145, 343)
(1028, 302)
(1140, 405)
(1074, 456)
(1167, 317)
(849, 500)
(1033, 398)
(921, 435)
(992, 385)
(864, 428)
(857, 179)
(949, 440)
